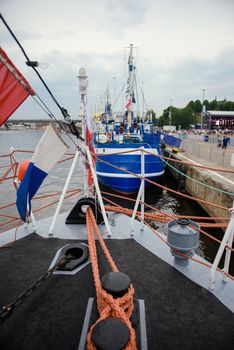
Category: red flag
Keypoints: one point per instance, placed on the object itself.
(129, 104)
(14, 88)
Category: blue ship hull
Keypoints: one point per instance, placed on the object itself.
(125, 181)
(125, 186)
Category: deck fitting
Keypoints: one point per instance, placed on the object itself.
(116, 283)
(111, 333)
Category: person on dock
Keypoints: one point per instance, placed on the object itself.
(219, 140)
(226, 141)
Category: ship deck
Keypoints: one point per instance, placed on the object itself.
(180, 314)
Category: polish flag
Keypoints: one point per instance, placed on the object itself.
(48, 152)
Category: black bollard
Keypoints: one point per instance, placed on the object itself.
(116, 283)
(110, 334)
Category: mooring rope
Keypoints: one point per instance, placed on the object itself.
(107, 305)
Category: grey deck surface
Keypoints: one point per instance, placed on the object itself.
(179, 313)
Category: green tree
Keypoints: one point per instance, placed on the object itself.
(180, 117)
(222, 105)
(228, 105)
(190, 114)
(197, 106)
(207, 104)
(164, 119)
(191, 105)
(183, 117)
(151, 113)
(213, 105)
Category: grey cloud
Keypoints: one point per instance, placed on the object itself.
(187, 79)
(22, 36)
(122, 14)
(216, 73)
(183, 81)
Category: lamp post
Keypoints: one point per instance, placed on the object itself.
(170, 112)
(83, 85)
(203, 107)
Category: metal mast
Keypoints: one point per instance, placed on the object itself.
(130, 92)
(83, 84)
(203, 113)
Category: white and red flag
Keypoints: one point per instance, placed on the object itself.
(129, 104)
(49, 150)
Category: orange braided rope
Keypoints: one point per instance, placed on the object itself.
(148, 216)
(164, 187)
(184, 255)
(225, 170)
(14, 238)
(214, 218)
(117, 208)
(163, 217)
(16, 219)
(120, 308)
(11, 167)
(14, 164)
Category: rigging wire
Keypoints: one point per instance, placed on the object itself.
(138, 101)
(143, 97)
(138, 82)
(199, 182)
(30, 63)
(117, 98)
(43, 106)
(140, 86)
(33, 65)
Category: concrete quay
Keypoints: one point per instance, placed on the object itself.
(210, 156)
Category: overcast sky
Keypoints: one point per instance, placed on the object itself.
(183, 46)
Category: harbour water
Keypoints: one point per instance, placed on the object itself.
(156, 197)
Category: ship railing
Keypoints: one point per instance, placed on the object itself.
(61, 199)
(84, 150)
(140, 196)
(226, 242)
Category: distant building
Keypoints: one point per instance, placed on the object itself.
(38, 124)
(28, 123)
(219, 120)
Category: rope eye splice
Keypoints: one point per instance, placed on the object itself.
(8, 309)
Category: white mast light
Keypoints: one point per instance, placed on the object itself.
(83, 81)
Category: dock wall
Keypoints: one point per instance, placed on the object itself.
(210, 152)
(197, 190)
